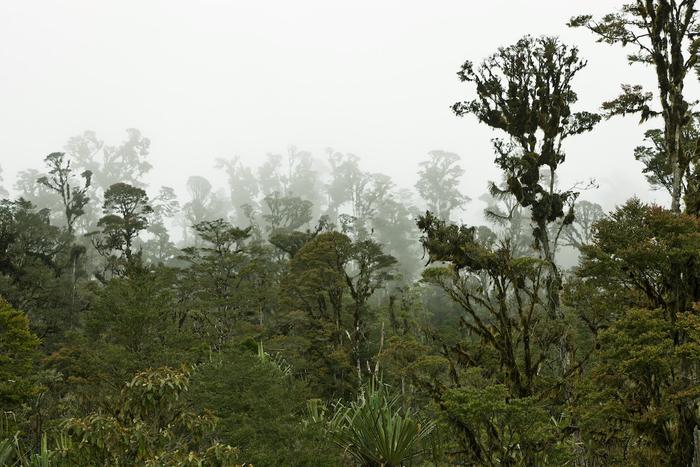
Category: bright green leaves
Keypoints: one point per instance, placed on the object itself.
(502, 430)
(640, 386)
(18, 346)
(648, 249)
(638, 293)
(148, 425)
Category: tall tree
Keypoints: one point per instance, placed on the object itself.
(302, 178)
(215, 288)
(124, 163)
(525, 90)
(291, 175)
(500, 372)
(580, 231)
(286, 212)
(322, 273)
(313, 324)
(438, 183)
(658, 170)
(510, 220)
(243, 186)
(73, 198)
(664, 35)
(126, 211)
(316, 279)
(367, 269)
(38, 194)
(271, 175)
(204, 204)
(160, 248)
(355, 196)
(395, 228)
(196, 209)
(3, 191)
(345, 173)
(60, 179)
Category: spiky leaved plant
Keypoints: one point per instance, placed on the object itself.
(376, 431)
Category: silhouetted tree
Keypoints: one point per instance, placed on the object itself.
(126, 212)
(125, 163)
(3, 191)
(438, 183)
(580, 232)
(664, 35)
(61, 180)
(525, 90)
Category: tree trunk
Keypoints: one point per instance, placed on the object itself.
(677, 174)
(696, 448)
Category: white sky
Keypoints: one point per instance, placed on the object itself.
(206, 79)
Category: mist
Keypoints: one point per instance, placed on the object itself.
(392, 233)
(226, 79)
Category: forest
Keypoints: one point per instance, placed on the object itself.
(315, 313)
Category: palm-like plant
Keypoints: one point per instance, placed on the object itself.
(13, 452)
(376, 431)
(7, 451)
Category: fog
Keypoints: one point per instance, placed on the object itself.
(361, 233)
(216, 79)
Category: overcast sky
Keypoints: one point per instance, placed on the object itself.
(206, 79)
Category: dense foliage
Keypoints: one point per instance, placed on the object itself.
(318, 314)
